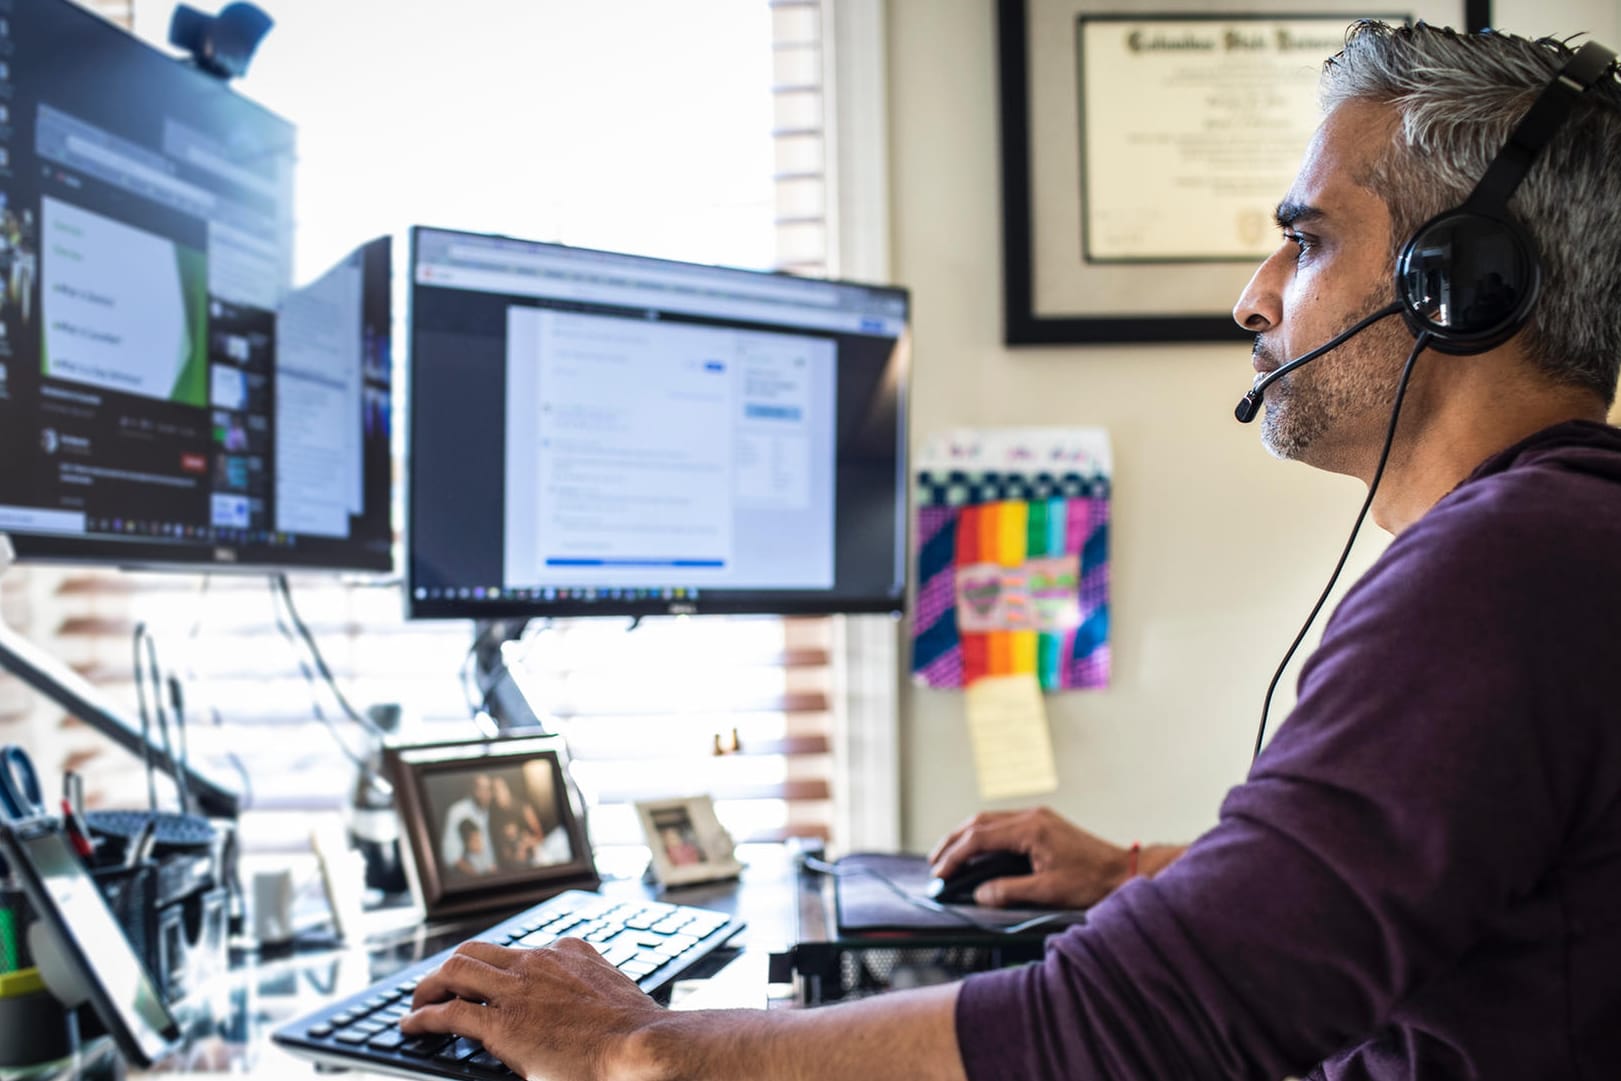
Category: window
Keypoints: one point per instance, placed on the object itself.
(686, 131)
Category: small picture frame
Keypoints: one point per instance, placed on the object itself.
(687, 842)
(489, 824)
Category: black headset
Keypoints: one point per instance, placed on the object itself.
(1470, 276)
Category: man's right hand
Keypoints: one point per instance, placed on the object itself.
(1070, 867)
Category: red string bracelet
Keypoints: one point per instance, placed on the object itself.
(1131, 859)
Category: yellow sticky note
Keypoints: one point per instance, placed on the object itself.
(1013, 747)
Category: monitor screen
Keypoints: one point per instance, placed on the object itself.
(157, 407)
(595, 433)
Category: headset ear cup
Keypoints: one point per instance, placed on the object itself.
(1469, 280)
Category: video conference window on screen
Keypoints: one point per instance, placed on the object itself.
(589, 432)
(165, 397)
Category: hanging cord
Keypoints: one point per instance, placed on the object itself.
(147, 668)
(1373, 487)
(359, 760)
(285, 592)
(194, 678)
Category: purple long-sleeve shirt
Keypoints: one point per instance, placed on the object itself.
(1421, 877)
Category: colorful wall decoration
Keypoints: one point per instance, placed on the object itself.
(1013, 558)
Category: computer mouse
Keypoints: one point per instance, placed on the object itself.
(959, 888)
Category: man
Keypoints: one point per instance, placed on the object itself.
(1419, 879)
(472, 809)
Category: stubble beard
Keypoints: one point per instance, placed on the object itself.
(1321, 413)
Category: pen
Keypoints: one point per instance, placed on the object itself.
(73, 814)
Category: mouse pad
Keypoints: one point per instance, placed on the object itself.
(865, 904)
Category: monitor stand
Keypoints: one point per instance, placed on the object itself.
(499, 685)
(62, 685)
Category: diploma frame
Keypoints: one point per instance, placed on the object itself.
(1026, 215)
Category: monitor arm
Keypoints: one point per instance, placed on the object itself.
(498, 685)
(62, 685)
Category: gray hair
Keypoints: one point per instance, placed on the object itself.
(1458, 97)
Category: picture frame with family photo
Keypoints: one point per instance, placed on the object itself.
(686, 841)
(489, 824)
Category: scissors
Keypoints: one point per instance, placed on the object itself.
(20, 796)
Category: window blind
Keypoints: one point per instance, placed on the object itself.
(737, 707)
(799, 133)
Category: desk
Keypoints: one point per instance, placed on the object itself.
(228, 1024)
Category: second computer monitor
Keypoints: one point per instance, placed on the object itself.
(596, 433)
(165, 400)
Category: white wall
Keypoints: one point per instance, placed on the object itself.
(1218, 550)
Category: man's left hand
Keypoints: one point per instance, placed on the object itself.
(558, 1012)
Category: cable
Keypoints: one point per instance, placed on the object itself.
(309, 678)
(1373, 487)
(833, 870)
(285, 592)
(177, 764)
(146, 719)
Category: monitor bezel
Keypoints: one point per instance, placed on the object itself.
(715, 602)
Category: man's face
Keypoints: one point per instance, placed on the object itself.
(481, 790)
(1332, 268)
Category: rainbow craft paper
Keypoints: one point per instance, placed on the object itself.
(1013, 558)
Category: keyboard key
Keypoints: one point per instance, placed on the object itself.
(424, 1046)
(390, 1039)
(486, 1061)
(618, 955)
(534, 940)
(459, 1048)
(353, 1036)
(637, 969)
(318, 1032)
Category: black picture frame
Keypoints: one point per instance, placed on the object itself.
(418, 772)
(1023, 325)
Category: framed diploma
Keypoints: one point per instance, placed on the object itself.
(1144, 146)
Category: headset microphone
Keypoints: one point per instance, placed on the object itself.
(1251, 404)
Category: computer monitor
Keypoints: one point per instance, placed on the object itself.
(594, 433)
(164, 401)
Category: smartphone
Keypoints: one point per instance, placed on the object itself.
(66, 899)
